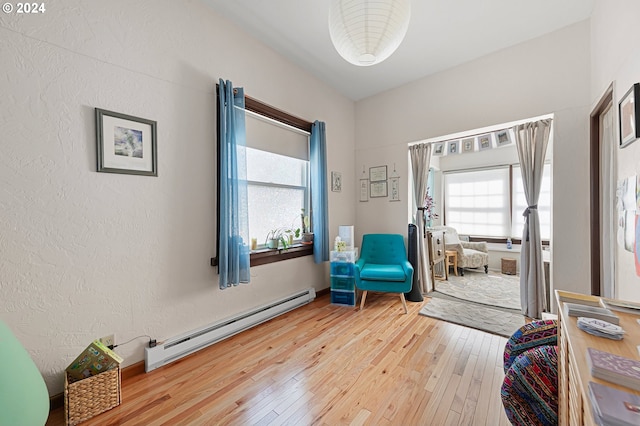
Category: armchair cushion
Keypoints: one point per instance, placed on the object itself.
(374, 272)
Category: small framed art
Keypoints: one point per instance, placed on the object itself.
(438, 148)
(126, 144)
(336, 181)
(364, 189)
(629, 116)
(467, 145)
(503, 137)
(484, 142)
(377, 174)
(378, 189)
(453, 147)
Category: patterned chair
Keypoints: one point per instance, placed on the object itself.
(529, 391)
(470, 254)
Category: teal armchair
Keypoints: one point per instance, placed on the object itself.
(383, 266)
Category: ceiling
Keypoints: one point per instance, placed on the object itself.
(441, 35)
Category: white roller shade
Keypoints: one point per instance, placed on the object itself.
(269, 135)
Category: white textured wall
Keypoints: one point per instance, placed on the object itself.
(85, 254)
(546, 75)
(615, 39)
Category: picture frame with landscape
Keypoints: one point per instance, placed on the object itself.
(125, 144)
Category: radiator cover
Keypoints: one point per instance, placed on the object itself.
(188, 343)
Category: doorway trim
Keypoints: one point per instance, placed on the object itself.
(595, 165)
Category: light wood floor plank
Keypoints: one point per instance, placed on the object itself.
(324, 364)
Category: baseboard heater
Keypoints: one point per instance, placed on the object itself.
(188, 343)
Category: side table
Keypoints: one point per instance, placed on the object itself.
(451, 259)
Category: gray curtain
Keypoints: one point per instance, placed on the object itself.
(420, 158)
(531, 141)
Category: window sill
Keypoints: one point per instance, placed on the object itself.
(264, 256)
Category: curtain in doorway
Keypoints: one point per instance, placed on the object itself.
(233, 249)
(319, 196)
(420, 159)
(531, 140)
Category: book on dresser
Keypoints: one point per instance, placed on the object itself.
(613, 407)
(614, 368)
(579, 310)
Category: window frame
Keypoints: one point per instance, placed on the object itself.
(263, 256)
(496, 240)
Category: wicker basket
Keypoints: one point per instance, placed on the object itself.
(89, 397)
(508, 266)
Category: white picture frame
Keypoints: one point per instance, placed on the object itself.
(336, 181)
(453, 147)
(468, 145)
(484, 142)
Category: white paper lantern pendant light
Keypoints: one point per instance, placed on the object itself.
(366, 32)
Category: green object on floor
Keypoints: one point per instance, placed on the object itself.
(24, 399)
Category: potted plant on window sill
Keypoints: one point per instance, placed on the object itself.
(275, 237)
(307, 236)
(281, 236)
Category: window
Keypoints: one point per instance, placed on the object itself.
(278, 190)
(490, 202)
(278, 182)
(477, 202)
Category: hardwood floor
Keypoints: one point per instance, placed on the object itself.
(326, 365)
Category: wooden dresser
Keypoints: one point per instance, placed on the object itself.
(573, 371)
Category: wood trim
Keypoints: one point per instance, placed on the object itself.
(594, 167)
(261, 108)
(263, 257)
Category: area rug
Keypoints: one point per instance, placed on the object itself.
(492, 289)
(473, 315)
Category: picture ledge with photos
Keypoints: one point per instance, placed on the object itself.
(483, 142)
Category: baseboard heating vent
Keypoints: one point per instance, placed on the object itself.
(188, 343)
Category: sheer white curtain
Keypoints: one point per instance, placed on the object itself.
(420, 158)
(531, 141)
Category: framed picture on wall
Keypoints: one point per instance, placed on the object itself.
(125, 144)
(336, 181)
(503, 137)
(438, 148)
(453, 147)
(364, 189)
(377, 174)
(378, 189)
(484, 142)
(467, 144)
(629, 116)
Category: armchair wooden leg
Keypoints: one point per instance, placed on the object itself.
(364, 296)
(486, 269)
(404, 303)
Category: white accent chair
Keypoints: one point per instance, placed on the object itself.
(470, 254)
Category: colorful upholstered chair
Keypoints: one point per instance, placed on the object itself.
(531, 335)
(24, 399)
(383, 266)
(529, 391)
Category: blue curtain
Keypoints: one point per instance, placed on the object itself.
(233, 249)
(319, 197)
